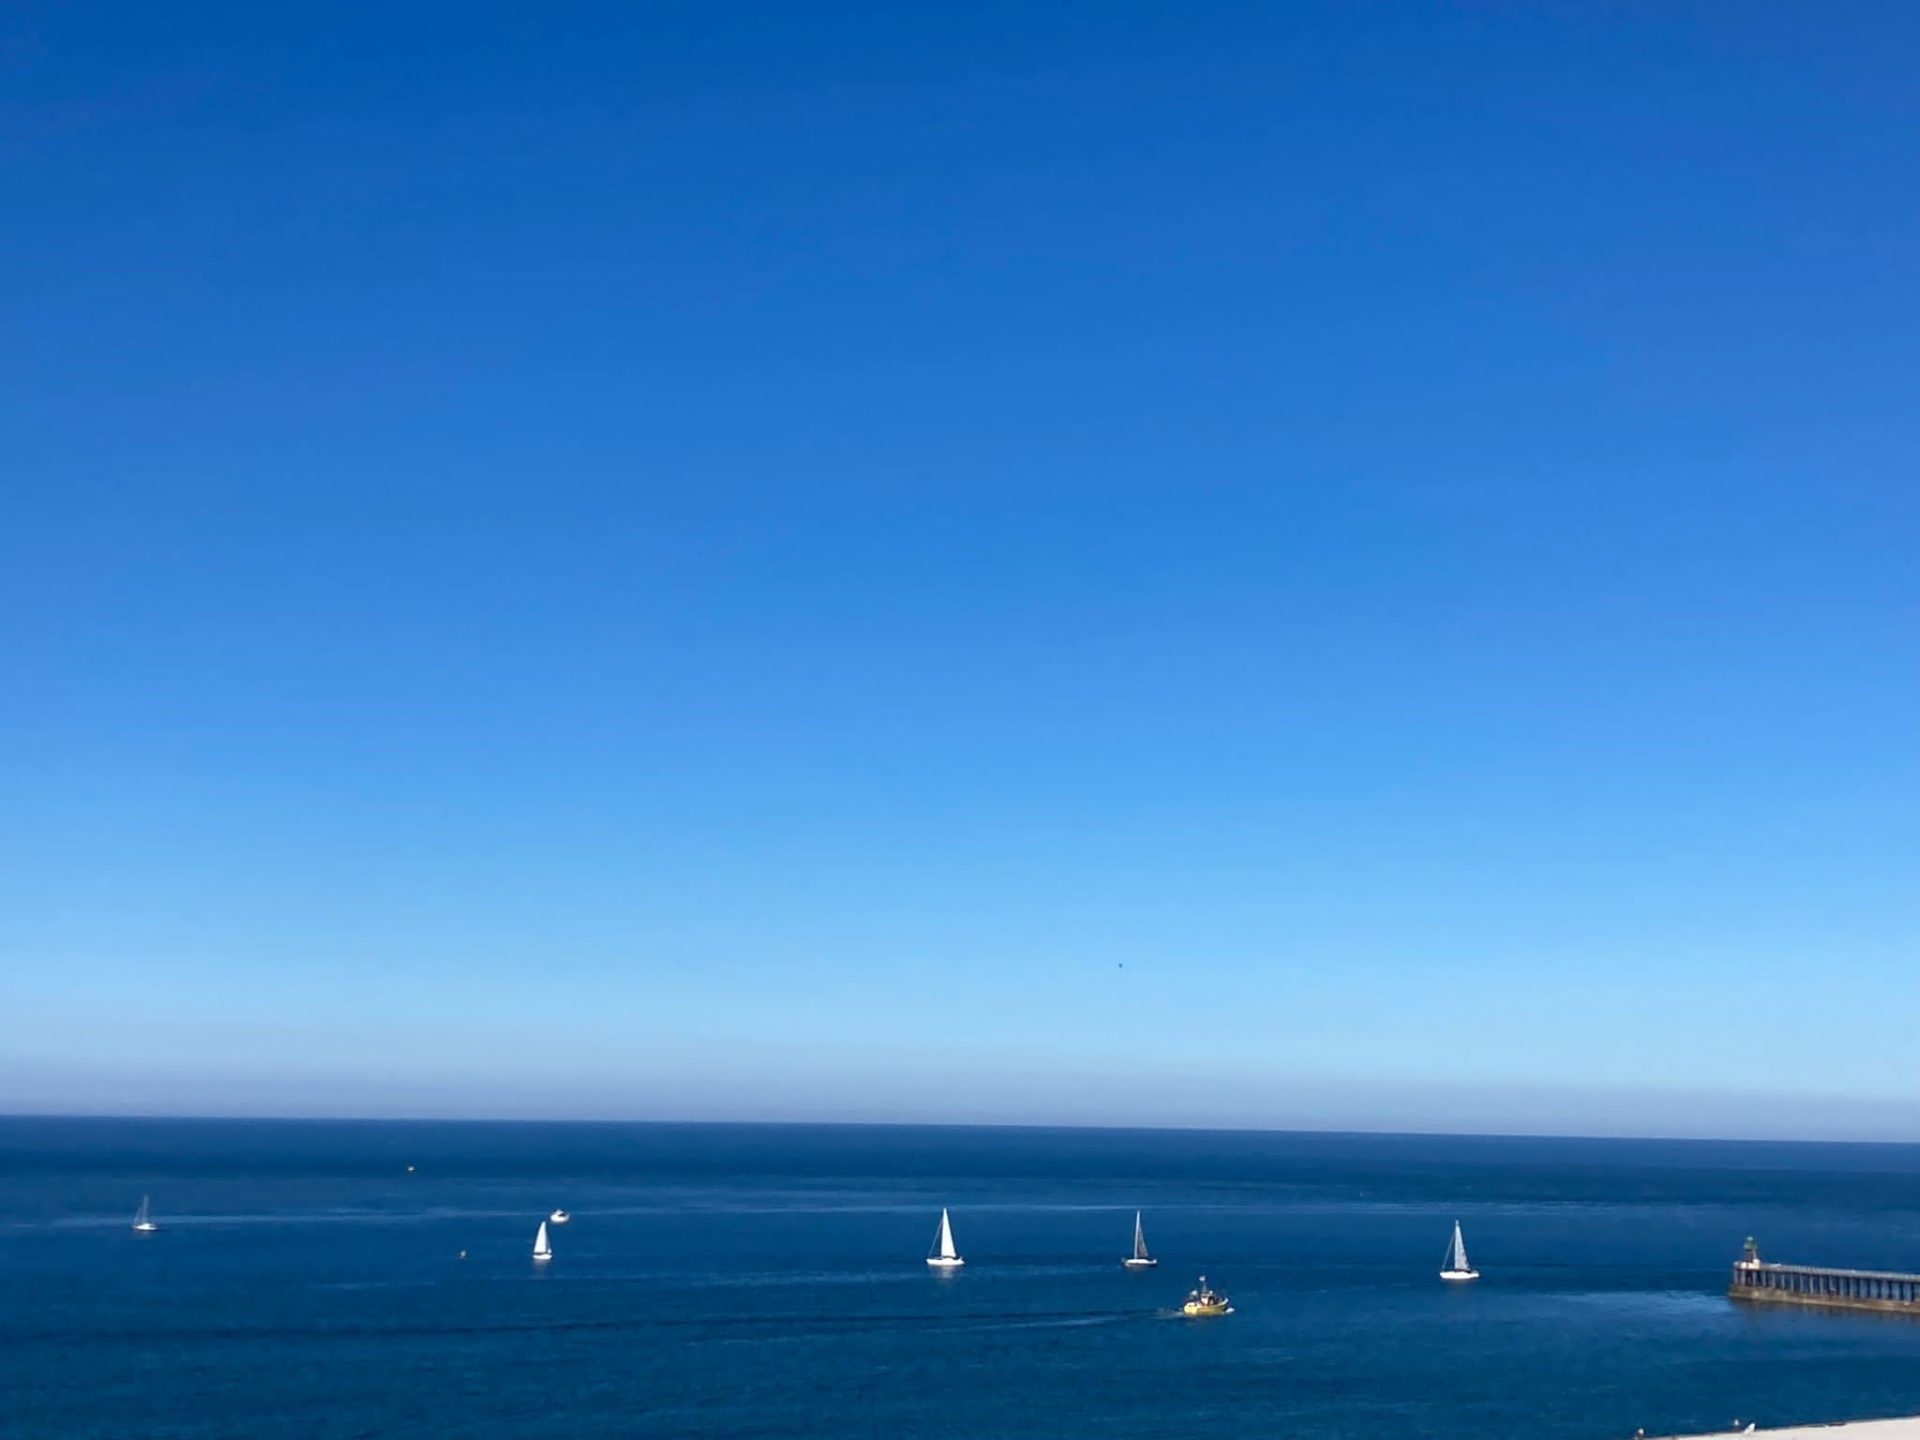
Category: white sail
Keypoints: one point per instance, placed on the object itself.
(140, 1218)
(541, 1249)
(1459, 1249)
(943, 1256)
(1139, 1259)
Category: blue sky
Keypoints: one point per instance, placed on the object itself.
(1269, 565)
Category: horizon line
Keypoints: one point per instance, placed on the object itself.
(790, 1124)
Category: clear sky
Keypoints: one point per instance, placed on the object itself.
(1279, 564)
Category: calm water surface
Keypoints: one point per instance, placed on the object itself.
(767, 1281)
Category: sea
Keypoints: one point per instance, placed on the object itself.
(360, 1279)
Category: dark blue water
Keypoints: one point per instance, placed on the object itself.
(742, 1280)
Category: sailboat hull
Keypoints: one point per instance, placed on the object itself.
(1459, 1274)
(1137, 1262)
(945, 1262)
(145, 1227)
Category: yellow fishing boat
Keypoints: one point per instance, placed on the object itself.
(1204, 1301)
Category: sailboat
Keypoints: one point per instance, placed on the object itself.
(943, 1256)
(142, 1220)
(1455, 1266)
(1140, 1259)
(541, 1249)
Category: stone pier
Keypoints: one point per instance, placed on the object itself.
(1766, 1283)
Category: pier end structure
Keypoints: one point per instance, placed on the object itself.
(1765, 1282)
